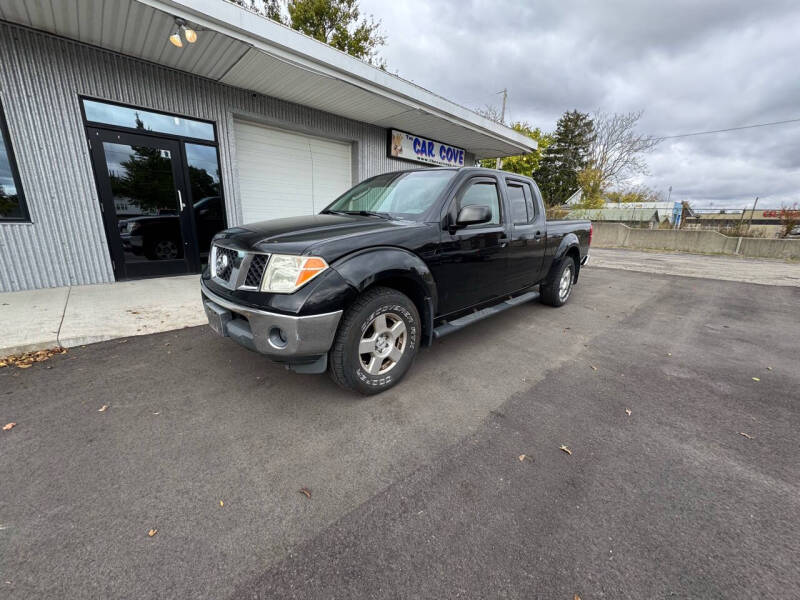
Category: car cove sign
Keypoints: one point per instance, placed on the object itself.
(408, 146)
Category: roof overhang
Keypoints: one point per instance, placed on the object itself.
(242, 49)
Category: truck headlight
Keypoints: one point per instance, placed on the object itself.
(287, 273)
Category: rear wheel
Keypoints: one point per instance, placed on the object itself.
(556, 291)
(376, 342)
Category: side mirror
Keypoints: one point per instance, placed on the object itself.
(472, 214)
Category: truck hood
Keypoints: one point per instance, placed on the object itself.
(321, 235)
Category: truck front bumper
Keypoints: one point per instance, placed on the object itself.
(300, 342)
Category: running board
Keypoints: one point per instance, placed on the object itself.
(456, 324)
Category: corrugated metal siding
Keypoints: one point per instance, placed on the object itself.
(40, 81)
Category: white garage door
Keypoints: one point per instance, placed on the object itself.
(285, 174)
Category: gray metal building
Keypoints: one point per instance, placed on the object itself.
(121, 154)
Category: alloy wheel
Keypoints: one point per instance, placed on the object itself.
(565, 285)
(382, 344)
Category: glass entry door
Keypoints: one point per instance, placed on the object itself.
(143, 196)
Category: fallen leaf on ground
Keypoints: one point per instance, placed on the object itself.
(305, 491)
(103, 408)
(522, 457)
(593, 367)
(221, 503)
(565, 449)
(152, 532)
(756, 379)
(628, 411)
(769, 368)
(749, 437)
(26, 359)
(576, 597)
(669, 353)
(9, 426)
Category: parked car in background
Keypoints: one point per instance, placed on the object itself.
(397, 261)
(158, 237)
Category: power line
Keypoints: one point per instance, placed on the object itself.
(682, 135)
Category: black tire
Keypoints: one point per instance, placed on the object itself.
(551, 291)
(383, 308)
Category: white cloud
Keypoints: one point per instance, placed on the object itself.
(689, 65)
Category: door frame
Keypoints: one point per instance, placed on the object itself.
(97, 136)
(180, 140)
(449, 255)
(529, 237)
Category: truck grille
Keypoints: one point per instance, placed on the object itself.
(256, 271)
(237, 269)
(224, 262)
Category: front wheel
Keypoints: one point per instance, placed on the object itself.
(376, 342)
(556, 291)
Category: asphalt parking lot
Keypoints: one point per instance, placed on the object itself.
(420, 492)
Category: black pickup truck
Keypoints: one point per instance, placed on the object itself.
(395, 262)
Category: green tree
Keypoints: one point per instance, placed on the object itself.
(634, 194)
(590, 181)
(565, 157)
(336, 22)
(524, 164)
(9, 204)
(203, 184)
(145, 179)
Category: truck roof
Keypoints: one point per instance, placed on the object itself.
(474, 169)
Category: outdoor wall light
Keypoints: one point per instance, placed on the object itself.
(181, 27)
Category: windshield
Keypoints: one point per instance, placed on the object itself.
(398, 195)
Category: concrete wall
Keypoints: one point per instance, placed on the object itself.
(41, 79)
(616, 235)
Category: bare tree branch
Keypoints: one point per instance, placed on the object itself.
(617, 149)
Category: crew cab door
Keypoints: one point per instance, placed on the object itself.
(528, 243)
(471, 266)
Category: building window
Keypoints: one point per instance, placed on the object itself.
(146, 120)
(12, 201)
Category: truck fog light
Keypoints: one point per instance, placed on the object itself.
(277, 337)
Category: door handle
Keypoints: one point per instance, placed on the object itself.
(180, 201)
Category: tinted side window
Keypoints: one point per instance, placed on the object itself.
(519, 207)
(485, 193)
(532, 206)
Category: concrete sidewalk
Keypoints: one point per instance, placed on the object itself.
(73, 316)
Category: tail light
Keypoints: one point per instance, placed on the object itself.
(591, 232)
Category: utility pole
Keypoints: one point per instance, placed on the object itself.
(752, 212)
(498, 163)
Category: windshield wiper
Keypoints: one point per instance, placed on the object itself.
(334, 212)
(369, 213)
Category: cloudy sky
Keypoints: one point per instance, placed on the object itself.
(691, 65)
